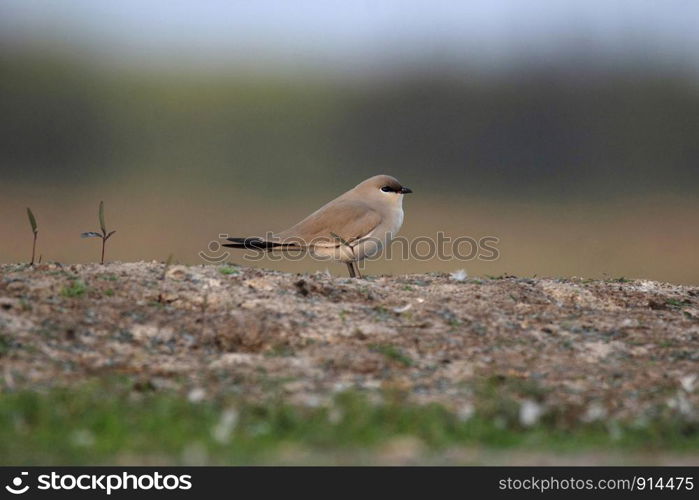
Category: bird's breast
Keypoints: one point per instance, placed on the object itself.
(391, 224)
(398, 220)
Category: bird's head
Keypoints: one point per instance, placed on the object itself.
(383, 188)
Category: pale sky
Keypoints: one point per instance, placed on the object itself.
(335, 33)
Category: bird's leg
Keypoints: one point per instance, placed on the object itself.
(350, 264)
(356, 265)
(350, 268)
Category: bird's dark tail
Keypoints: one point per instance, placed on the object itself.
(253, 244)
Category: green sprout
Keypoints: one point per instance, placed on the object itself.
(35, 231)
(104, 235)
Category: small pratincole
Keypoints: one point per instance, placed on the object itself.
(350, 228)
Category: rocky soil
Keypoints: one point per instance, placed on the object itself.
(570, 349)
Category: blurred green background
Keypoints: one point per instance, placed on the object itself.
(568, 130)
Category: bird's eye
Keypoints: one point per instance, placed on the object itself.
(386, 189)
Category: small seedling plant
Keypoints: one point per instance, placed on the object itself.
(35, 231)
(104, 235)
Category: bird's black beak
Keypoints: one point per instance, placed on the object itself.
(405, 190)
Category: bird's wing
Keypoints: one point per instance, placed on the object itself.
(350, 220)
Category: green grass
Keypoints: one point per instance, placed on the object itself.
(620, 279)
(4, 343)
(393, 353)
(76, 289)
(228, 270)
(675, 303)
(105, 422)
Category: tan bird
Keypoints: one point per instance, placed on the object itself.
(353, 226)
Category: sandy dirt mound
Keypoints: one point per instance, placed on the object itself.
(579, 349)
